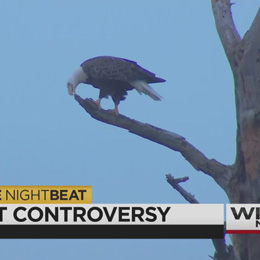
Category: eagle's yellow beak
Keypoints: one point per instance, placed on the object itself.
(71, 89)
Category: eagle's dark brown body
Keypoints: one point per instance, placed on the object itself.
(114, 77)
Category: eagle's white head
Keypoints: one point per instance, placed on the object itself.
(78, 76)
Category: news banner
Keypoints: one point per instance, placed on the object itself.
(68, 212)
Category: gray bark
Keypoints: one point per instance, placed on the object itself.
(243, 56)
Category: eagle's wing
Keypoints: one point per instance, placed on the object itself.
(111, 68)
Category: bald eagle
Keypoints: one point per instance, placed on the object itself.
(114, 77)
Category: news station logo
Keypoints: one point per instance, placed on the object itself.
(68, 212)
(243, 218)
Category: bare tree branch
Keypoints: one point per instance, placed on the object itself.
(225, 26)
(222, 251)
(254, 30)
(175, 184)
(249, 67)
(211, 167)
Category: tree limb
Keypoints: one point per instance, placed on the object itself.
(175, 184)
(227, 31)
(222, 251)
(211, 167)
(250, 65)
(254, 30)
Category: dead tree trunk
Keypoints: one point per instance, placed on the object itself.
(244, 58)
(241, 181)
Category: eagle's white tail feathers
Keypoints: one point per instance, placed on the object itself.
(142, 87)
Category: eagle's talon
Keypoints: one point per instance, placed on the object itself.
(97, 103)
(114, 111)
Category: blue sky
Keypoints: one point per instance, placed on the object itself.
(47, 138)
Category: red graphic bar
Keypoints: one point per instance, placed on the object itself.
(242, 231)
